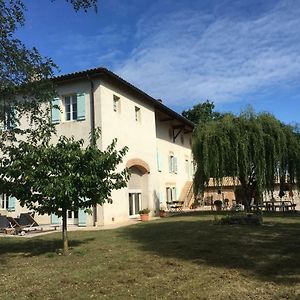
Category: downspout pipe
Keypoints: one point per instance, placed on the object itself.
(92, 127)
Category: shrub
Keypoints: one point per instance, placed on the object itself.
(241, 219)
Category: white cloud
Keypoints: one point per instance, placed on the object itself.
(191, 56)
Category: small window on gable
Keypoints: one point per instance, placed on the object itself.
(116, 103)
(137, 114)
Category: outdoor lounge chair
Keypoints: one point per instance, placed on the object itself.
(27, 220)
(5, 225)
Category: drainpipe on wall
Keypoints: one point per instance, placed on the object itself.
(93, 140)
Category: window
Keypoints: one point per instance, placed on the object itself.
(71, 107)
(116, 103)
(9, 121)
(3, 201)
(137, 114)
(135, 201)
(173, 164)
(171, 194)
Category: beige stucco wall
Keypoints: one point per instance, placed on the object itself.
(182, 151)
(138, 136)
(143, 138)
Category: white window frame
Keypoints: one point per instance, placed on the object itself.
(73, 101)
(3, 201)
(171, 194)
(139, 193)
(172, 164)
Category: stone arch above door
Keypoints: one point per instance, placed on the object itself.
(139, 164)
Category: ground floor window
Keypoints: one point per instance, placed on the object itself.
(135, 201)
(171, 194)
(72, 217)
(3, 201)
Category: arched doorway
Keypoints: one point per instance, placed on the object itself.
(137, 186)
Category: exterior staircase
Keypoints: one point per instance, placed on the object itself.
(187, 195)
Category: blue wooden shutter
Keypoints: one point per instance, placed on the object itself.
(170, 164)
(81, 218)
(80, 106)
(161, 197)
(55, 219)
(11, 203)
(175, 194)
(175, 165)
(159, 162)
(55, 112)
(12, 118)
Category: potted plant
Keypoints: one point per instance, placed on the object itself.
(162, 212)
(144, 214)
(218, 205)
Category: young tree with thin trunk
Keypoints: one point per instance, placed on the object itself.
(257, 149)
(54, 178)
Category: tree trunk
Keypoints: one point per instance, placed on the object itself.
(64, 233)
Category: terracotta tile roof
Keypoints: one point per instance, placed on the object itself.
(109, 76)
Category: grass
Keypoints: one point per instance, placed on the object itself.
(183, 257)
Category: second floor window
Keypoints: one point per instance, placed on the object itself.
(71, 107)
(137, 114)
(173, 168)
(116, 103)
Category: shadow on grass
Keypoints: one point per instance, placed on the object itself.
(269, 252)
(35, 246)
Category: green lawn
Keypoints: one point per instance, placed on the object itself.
(183, 257)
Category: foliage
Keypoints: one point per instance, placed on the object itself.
(24, 71)
(144, 211)
(240, 219)
(257, 149)
(52, 178)
(202, 113)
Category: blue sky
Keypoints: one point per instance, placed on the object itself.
(234, 53)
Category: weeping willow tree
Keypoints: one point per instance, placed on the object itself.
(257, 150)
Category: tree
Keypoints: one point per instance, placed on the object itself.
(51, 179)
(24, 74)
(202, 113)
(256, 149)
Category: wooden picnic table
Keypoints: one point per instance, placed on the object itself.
(284, 205)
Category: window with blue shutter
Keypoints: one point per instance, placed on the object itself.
(55, 112)
(81, 106)
(11, 203)
(82, 218)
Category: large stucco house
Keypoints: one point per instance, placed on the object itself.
(159, 142)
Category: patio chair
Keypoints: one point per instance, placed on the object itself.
(27, 220)
(5, 225)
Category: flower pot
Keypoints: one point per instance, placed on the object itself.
(144, 217)
(162, 213)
